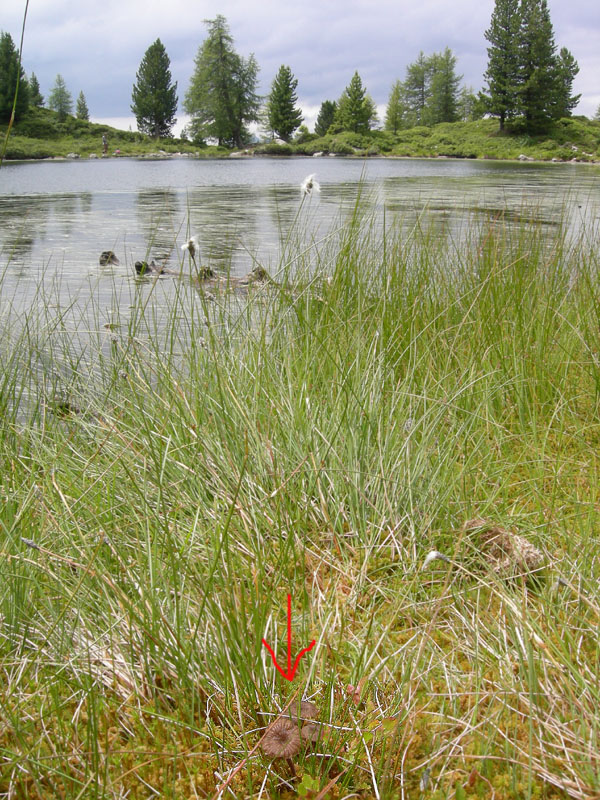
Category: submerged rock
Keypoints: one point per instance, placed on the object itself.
(108, 257)
(206, 278)
(145, 268)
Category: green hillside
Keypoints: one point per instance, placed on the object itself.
(39, 134)
(575, 137)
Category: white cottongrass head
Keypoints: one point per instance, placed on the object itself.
(192, 245)
(434, 555)
(309, 185)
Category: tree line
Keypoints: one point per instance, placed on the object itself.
(222, 98)
(527, 78)
(12, 75)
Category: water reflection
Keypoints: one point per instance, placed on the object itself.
(159, 215)
(57, 218)
(229, 224)
(21, 224)
(283, 204)
(459, 204)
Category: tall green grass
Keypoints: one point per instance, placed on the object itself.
(166, 484)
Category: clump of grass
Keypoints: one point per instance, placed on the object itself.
(167, 483)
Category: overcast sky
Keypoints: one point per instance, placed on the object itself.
(97, 46)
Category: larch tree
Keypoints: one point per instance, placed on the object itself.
(395, 114)
(431, 89)
(60, 99)
(442, 104)
(81, 109)
(503, 72)
(283, 115)
(469, 105)
(14, 89)
(222, 98)
(154, 95)
(326, 117)
(417, 89)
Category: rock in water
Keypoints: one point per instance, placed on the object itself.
(108, 257)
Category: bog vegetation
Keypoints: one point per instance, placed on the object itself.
(165, 486)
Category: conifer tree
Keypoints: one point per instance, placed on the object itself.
(12, 80)
(325, 117)
(81, 109)
(356, 111)
(154, 95)
(284, 117)
(35, 96)
(222, 98)
(442, 105)
(566, 70)
(60, 99)
(431, 89)
(538, 64)
(395, 115)
(469, 105)
(417, 89)
(503, 73)
(525, 74)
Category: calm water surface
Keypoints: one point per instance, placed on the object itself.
(56, 217)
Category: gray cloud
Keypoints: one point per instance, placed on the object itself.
(97, 47)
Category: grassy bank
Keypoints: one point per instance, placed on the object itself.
(164, 490)
(40, 135)
(577, 138)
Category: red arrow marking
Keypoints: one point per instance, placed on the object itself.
(291, 670)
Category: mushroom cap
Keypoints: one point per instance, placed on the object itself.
(311, 732)
(282, 740)
(307, 710)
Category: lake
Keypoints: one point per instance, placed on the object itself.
(57, 216)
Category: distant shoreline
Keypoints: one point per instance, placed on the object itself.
(40, 137)
(266, 156)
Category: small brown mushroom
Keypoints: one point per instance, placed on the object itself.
(311, 732)
(282, 740)
(307, 710)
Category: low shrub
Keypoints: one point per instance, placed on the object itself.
(275, 149)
